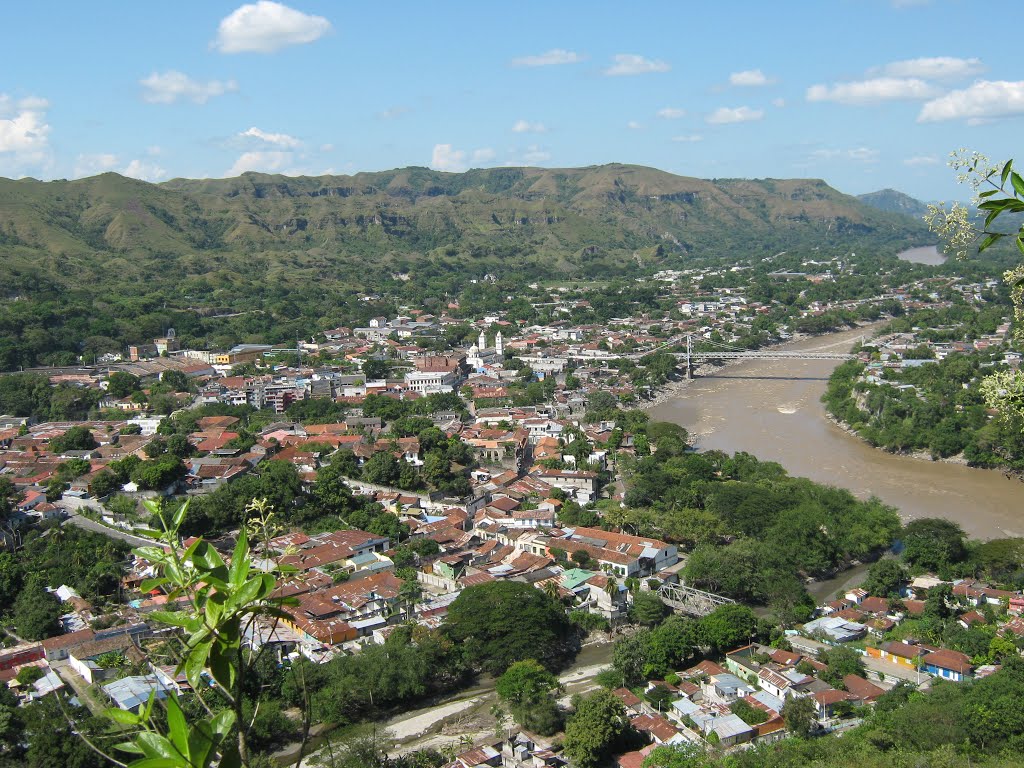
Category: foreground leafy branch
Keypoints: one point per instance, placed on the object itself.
(220, 602)
(998, 190)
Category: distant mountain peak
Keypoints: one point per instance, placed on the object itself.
(894, 201)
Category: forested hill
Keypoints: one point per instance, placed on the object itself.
(894, 202)
(114, 260)
(580, 221)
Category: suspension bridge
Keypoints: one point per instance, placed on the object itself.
(689, 600)
(712, 350)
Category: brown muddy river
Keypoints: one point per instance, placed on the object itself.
(772, 409)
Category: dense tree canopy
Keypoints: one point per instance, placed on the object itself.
(502, 622)
(933, 543)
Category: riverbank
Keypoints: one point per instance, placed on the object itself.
(916, 455)
(773, 410)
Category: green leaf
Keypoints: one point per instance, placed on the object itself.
(121, 716)
(207, 735)
(240, 559)
(1018, 184)
(129, 746)
(992, 237)
(1020, 244)
(1006, 172)
(177, 619)
(179, 515)
(223, 722)
(222, 667)
(195, 663)
(255, 588)
(206, 557)
(993, 205)
(152, 554)
(155, 745)
(177, 728)
(988, 193)
(148, 585)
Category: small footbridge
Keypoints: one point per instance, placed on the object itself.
(689, 600)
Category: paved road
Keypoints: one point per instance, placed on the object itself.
(896, 671)
(74, 518)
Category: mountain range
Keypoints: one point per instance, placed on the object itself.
(576, 221)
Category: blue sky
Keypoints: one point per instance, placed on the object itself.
(863, 93)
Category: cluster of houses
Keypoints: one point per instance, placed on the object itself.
(741, 699)
(869, 622)
(900, 351)
(738, 701)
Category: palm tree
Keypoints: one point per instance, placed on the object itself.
(409, 593)
(551, 589)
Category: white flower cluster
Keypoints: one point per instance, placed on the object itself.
(953, 226)
(974, 169)
(1003, 391)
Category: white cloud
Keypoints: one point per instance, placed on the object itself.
(277, 139)
(25, 131)
(634, 125)
(935, 68)
(984, 100)
(267, 162)
(140, 169)
(90, 165)
(483, 155)
(690, 139)
(873, 91)
(921, 160)
(24, 135)
(859, 154)
(779, 103)
(671, 113)
(750, 77)
(446, 158)
(266, 26)
(525, 126)
(725, 115)
(535, 155)
(167, 87)
(549, 58)
(634, 64)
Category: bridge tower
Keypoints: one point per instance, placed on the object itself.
(689, 361)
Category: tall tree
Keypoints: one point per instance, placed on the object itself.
(527, 688)
(597, 724)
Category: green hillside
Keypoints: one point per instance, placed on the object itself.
(93, 256)
(893, 201)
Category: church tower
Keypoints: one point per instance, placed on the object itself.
(482, 341)
(499, 345)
